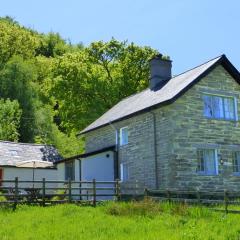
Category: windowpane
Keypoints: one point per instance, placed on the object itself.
(207, 106)
(217, 104)
(207, 161)
(69, 171)
(236, 162)
(123, 136)
(124, 172)
(200, 161)
(229, 108)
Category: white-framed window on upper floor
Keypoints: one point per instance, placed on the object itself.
(207, 160)
(220, 107)
(123, 136)
(124, 172)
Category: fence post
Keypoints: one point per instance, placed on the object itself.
(168, 195)
(226, 200)
(145, 193)
(94, 192)
(43, 191)
(117, 189)
(80, 190)
(87, 195)
(136, 188)
(69, 190)
(15, 194)
(198, 196)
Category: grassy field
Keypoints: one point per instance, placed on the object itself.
(139, 220)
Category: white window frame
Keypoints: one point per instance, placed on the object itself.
(204, 172)
(70, 165)
(124, 176)
(122, 143)
(235, 118)
(235, 153)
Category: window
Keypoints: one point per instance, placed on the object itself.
(236, 162)
(123, 136)
(219, 107)
(13, 152)
(207, 161)
(69, 170)
(124, 170)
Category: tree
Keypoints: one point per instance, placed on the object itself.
(60, 87)
(15, 40)
(90, 81)
(52, 45)
(10, 114)
(16, 83)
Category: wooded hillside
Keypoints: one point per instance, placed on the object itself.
(51, 89)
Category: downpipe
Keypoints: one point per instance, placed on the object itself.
(155, 149)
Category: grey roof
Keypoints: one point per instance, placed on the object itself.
(149, 98)
(12, 153)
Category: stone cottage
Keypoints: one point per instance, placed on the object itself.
(180, 133)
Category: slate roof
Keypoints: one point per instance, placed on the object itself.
(148, 99)
(12, 153)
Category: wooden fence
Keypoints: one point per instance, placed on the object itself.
(14, 192)
(206, 197)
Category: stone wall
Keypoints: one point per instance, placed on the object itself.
(193, 131)
(138, 153)
(181, 129)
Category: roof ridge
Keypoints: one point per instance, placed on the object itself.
(220, 56)
(173, 77)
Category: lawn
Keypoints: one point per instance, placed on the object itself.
(142, 220)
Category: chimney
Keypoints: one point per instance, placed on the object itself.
(160, 72)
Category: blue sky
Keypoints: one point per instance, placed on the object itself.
(190, 31)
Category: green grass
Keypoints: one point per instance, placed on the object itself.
(132, 220)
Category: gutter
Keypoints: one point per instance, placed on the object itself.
(155, 149)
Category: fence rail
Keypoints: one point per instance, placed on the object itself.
(51, 192)
(207, 197)
(44, 192)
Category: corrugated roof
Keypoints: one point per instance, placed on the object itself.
(12, 153)
(148, 98)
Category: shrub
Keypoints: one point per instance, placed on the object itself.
(60, 194)
(180, 209)
(2, 198)
(151, 208)
(147, 207)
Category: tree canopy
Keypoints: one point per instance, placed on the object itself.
(10, 114)
(52, 89)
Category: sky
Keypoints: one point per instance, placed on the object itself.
(189, 31)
